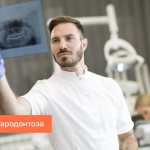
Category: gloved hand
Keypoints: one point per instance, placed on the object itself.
(2, 68)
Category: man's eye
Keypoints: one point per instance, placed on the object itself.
(54, 41)
(69, 38)
(145, 112)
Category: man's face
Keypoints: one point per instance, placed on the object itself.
(144, 111)
(67, 45)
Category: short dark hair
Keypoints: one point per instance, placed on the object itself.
(65, 19)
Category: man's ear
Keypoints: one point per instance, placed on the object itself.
(84, 44)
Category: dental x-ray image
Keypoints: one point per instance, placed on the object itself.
(16, 33)
(22, 31)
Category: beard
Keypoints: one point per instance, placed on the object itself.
(67, 62)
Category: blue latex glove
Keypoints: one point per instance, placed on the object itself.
(2, 68)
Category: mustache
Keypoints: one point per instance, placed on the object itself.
(64, 50)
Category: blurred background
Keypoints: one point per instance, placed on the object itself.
(133, 22)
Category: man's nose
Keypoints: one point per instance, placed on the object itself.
(63, 44)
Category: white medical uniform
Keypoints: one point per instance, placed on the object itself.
(88, 111)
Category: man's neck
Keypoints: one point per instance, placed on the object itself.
(79, 69)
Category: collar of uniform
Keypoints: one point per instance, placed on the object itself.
(72, 75)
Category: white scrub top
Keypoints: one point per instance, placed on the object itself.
(88, 111)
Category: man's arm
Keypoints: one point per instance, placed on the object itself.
(127, 141)
(9, 103)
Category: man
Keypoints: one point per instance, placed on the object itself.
(142, 120)
(89, 111)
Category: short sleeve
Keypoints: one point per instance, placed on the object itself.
(37, 99)
(124, 122)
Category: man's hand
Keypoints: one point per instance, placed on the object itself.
(128, 141)
(2, 68)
